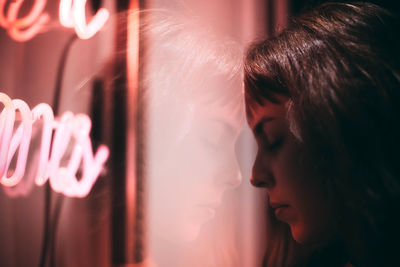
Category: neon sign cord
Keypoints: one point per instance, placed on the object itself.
(50, 224)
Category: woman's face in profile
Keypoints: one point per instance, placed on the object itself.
(283, 168)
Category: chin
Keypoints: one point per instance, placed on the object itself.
(189, 234)
(300, 234)
(307, 235)
(182, 233)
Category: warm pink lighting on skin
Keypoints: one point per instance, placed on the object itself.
(71, 15)
(70, 127)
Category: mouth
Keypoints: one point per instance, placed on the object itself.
(206, 211)
(276, 205)
(279, 209)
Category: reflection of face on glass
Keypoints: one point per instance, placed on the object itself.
(193, 168)
(194, 118)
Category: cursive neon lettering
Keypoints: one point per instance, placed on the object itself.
(71, 15)
(70, 128)
(23, 29)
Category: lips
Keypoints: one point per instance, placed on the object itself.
(276, 205)
(206, 211)
(280, 209)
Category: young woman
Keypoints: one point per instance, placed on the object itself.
(322, 99)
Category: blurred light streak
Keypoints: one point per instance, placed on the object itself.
(132, 186)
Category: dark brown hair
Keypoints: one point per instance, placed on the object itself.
(339, 66)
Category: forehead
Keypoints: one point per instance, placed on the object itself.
(256, 112)
(231, 115)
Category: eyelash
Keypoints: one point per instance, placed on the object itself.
(275, 145)
(270, 147)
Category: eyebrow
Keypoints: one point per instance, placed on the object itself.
(227, 126)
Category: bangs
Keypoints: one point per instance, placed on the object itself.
(264, 73)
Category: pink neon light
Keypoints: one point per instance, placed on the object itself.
(72, 14)
(23, 29)
(3, 20)
(65, 14)
(62, 179)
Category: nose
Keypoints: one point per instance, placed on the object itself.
(261, 174)
(233, 178)
(236, 179)
(230, 172)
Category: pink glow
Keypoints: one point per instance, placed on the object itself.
(70, 127)
(7, 118)
(65, 14)
(72, 15)
(29, 19)
(23, 29)
(3, 20)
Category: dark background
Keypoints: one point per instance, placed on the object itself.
(297, 6)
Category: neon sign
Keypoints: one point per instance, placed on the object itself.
(23, 29)
(70, 127)
(71, 15)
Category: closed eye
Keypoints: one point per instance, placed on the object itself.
(273, 147)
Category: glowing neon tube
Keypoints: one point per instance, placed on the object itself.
(3, 20)
(25, 28)
(65, 14)
(70, 127)
(72, 14)
(30, 18)
(7, 119)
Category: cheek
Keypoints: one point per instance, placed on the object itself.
(291, 173)
(193, 172)
(313, 220)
